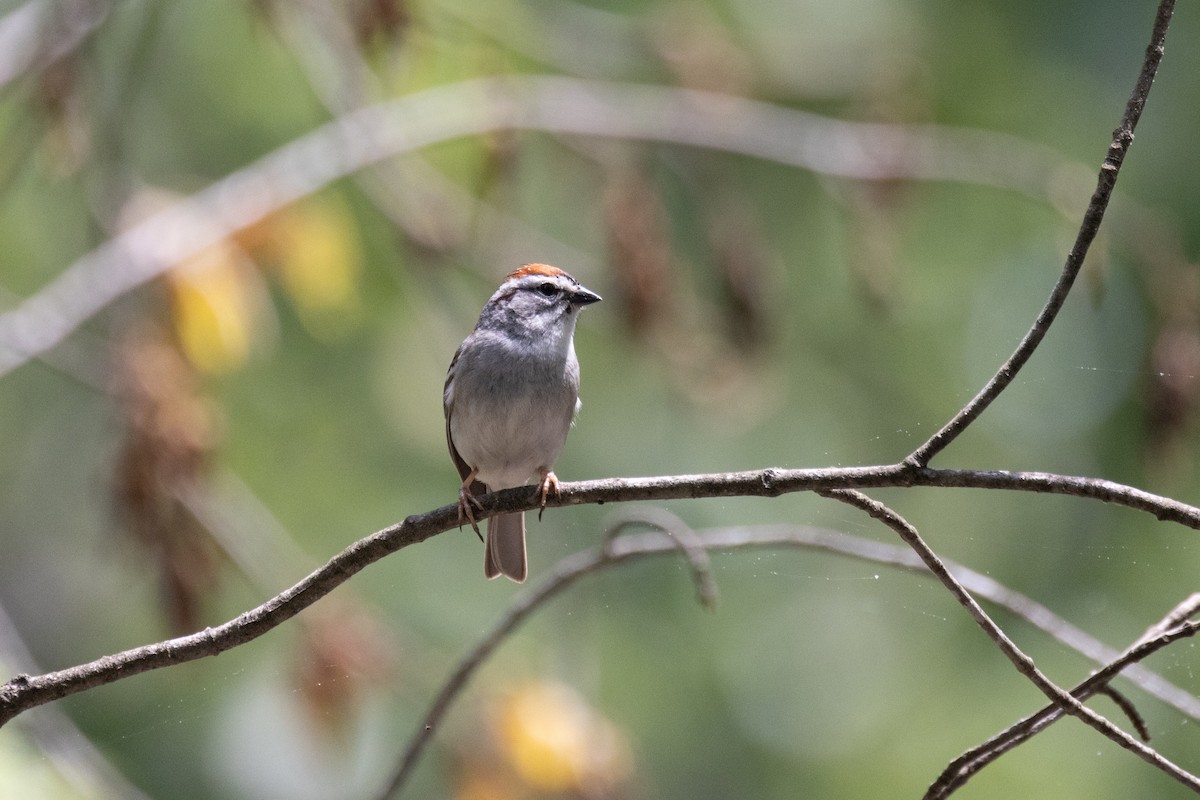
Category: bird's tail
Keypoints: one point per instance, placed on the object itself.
(505, 551)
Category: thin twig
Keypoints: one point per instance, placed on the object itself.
(1122, 139)
(25, 691)
(685, 538)
(1129, 709)
(1177, 616)
(1024, 664)
(961, 769)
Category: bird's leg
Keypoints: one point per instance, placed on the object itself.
(465, 501)
(546, 486)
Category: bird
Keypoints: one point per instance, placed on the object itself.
(510, 398)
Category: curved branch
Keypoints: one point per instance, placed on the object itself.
(370, 135)
(685, 539)
(631, 547)
(24, 691)
(1122, 139)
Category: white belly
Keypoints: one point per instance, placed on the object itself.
(510, 444)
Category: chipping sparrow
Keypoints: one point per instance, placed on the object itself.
(511, 395)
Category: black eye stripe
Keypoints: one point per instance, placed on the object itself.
(547, 289)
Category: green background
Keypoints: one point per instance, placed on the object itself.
(880, 309)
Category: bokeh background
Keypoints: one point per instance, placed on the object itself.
(210, 437)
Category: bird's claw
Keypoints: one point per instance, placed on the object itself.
(547, 486)
(466, 499)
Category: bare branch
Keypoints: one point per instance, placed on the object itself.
(1176, 617)
(1130, 710)
(1066, 702)
(1122, 139)
(685, 538)
(1024, 664)
(369, 135)
(969, 763)
(632, 547)
(24, 691)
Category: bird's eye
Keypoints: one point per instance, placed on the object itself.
(547, 289)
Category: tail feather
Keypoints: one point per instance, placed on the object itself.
(505, 551)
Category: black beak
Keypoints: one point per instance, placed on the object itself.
(584, 297)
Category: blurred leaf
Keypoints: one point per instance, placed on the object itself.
(640, 253)
(700, 50)
(214, 304)
(343, 652)
(169, 440)
(556, 742)
(313, 248)
(382, 22)
(738, 244)
(68, 137)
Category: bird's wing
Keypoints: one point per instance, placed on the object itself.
(464, 469)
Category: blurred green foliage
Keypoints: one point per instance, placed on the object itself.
(756, 315)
